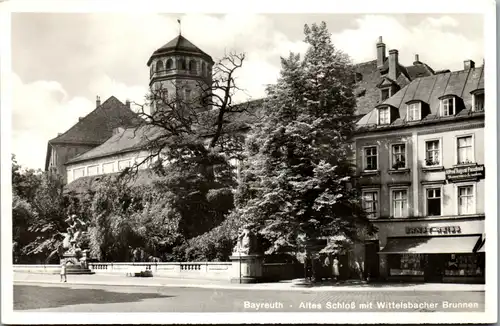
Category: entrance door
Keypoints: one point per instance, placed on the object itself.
(433, 271)
(372, 259)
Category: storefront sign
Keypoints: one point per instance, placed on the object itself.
(433, 230)
(466, 172)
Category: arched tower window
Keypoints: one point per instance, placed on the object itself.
(159, 66)
(204, 69)
(170, 64)
(192, 66)
(182, 64)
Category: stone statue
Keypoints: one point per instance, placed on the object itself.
(247, 242)
(75, 229)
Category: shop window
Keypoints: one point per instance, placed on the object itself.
(384, 116)
(406, 264)
(398, 156)
(464, 265)
(466, 200)
(465, 150)
(414, 112)
(400, 203)
(370, 203)
(432, 155)
(434, 202)
(478, 102)
(448, 106)
(371, 158)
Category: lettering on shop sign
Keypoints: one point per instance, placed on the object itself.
(466, 172)
(433, 230)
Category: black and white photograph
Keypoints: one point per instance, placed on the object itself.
(208, 164)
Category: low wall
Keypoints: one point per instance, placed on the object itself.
(206, 270)
(198, 270)
(38, 269)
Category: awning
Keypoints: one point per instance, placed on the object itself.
(481, 247)
(430, 245)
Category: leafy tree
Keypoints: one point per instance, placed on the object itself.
(38, 212)
(296, 184)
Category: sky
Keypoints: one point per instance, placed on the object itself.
(62, 61)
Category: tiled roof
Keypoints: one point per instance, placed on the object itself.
(429, 90)
(98, 125)
(124, 141)
(368, 95)
(179, 44)
(137, 138)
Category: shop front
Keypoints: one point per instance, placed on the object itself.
(437, 252)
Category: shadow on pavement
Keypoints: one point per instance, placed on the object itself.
(40, 297)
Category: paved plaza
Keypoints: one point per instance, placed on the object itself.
(44, 293)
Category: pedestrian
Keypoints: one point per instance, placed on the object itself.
(335, 269)
(326, 264)
(63, 270)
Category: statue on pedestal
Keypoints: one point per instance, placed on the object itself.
(247, 242)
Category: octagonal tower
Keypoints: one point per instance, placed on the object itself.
(180, 67)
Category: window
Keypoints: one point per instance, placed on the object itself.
(464, 265)
(432, 155)
(400, 203)
(466, 200)
(434, 202)
(398, 156)
(385, 94)
(192, 66)
(370, 203)
(159, 66)
(122, 165)
(478, 102)
(384, 116)
(414, 112)
(170, 64)
(181, 64)
(448, 107)
(108, 167)
(371, 157)
(464, 150)
(93, 170)
(78, 173)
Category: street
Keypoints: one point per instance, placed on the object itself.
(102, 298)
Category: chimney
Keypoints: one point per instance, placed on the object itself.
(469, 64)
(417, 61)
(59, 134)
(98, 101)
(380, 53)
(127, 103)
(80, 119)
(393, 65)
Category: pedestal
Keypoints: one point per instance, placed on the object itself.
(74, 266)
(246, 268)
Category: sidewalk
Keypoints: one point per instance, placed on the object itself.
(119, 280)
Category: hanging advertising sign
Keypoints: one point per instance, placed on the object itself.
(466, 172)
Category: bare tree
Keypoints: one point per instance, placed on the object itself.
(195, 116)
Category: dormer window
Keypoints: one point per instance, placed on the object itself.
(448, 106)
(385, 94)
(478, 101)
(414, 112)
(384, 116)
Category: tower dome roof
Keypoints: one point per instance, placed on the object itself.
(180, 45)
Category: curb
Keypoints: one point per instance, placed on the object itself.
(253, 287)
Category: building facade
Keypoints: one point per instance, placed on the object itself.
(420, 167)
